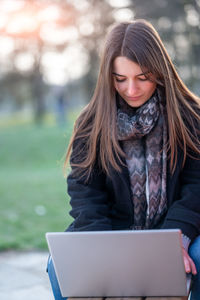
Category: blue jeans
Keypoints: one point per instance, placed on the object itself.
(194, 252)
(54, 281)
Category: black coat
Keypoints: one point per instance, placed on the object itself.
(105, 203)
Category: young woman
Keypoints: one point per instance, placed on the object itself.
(135, 149)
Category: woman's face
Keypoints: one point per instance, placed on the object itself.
(131, 83)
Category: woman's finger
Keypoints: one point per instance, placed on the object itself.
(189, 264)
(192, 265)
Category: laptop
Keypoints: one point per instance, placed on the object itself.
(119, 263)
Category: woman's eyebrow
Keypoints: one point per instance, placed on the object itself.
(144, 73)
(118, 74)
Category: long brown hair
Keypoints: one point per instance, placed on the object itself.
(96, 126)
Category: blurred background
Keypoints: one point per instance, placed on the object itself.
(49, 57)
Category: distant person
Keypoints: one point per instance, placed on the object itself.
(60, 106)
(135, 149)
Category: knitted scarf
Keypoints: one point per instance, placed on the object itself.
(143, 133)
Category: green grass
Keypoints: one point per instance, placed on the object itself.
(33, 197)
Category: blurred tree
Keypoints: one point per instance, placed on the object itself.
(56, 42)
(29, 30)
(178, 23)
(94, 18)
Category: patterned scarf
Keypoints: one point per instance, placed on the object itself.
(143, 133)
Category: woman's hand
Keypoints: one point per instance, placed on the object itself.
(188, 262)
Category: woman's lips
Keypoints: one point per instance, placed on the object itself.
(134, 98)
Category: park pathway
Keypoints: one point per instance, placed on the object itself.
(23, 276)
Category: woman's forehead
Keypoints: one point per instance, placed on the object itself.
(124, 66)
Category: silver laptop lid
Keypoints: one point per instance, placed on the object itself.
(118, 263)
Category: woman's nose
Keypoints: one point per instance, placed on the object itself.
(132, 88)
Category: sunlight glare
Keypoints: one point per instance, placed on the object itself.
(6, 46)
(86, 28)
(50, 13)
(182, 42)
(124, 14)
(82, 5)
(192, 15)
(54, 68)
(58, 77)
(55, 35)
(9, 6)
(77, 60)
(24, 61)
(22, 22)
(3, 20)
(119, 3)
(59, 68)
(164, 23)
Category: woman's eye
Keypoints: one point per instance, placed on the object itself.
(143, 79)
(119, 80)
